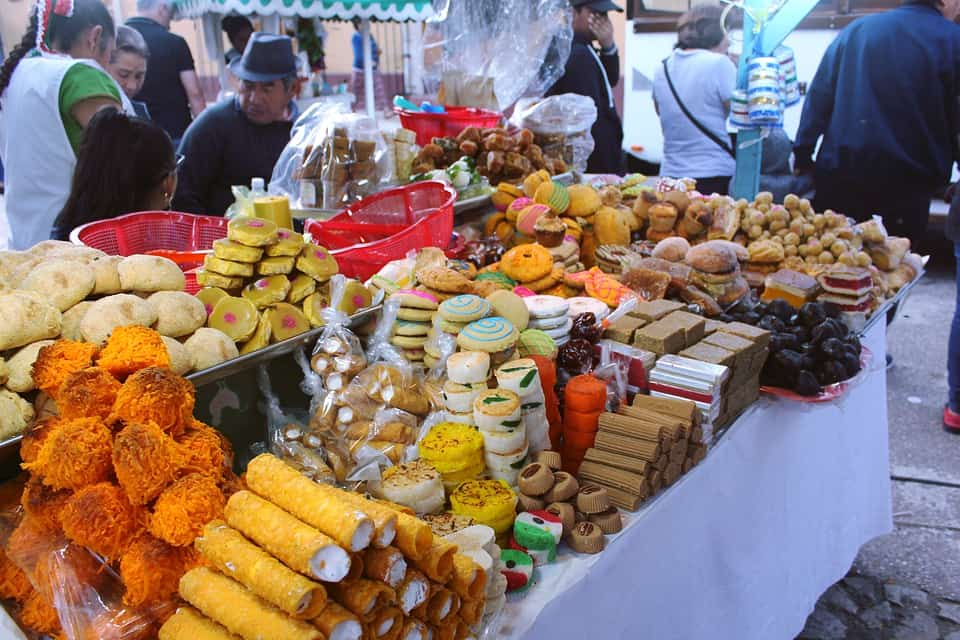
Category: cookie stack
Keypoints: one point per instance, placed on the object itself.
(455, 450)
(523, 378)
(567, 255)
(583, 304)
(416, 485)
(467, 374)
(497, 414)
(611, 258)
(550, 314)
(459, 311)
(489, 502)
(413, 322)
(494, 335)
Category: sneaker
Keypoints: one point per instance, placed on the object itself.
(951, 420)
(889, 362)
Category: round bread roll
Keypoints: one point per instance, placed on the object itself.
(15, 414)
(44, 247)
(106, 314)
(74, 253)
(209, 347)
(178, 313)
(64, 283)
(25, 317)
(21, 367)
(4, 371)
(712, 256)
(10, 263)
(738, 249)
(106, 274)
(44, 406)
(70, 328)
(150, 273)
(672, 249)
(180, 360)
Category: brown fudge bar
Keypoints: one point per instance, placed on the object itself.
(709, 353)
(653, 310)
(711, 326)
(759, 336)
(660, 337)
(622, 330)
(693, 326)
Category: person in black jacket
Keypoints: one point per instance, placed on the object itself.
(593, 72)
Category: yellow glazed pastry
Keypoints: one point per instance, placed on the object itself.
(355, 297)
(210, 279)
(260, 337)
(252, 232)
(286, 321)
(313, 305)
(267, 291)
(289, 243)
(489, 502)
(451, 447)
(229, 250)
(275, 266)
(236, 317)
(316, 262)
(227, 267)
(209, 297)
(301, 286)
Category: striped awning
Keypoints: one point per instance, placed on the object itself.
(383, 10)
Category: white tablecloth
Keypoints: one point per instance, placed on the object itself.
(743, 546)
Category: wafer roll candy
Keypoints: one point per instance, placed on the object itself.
(189, 624)
(414, 629)
(240, 611)
(386, 565)
(472, 610)
(413, 592)
(437, 563)
(386, 622)
(445, 632)
(469, 579)
(297, 545)
(357, 567)
(414, 536)
(463, 630)
(260, 572)
(337, 623)
(362, 596)
(443, 604)
(320, 506)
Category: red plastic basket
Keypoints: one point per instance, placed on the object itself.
(428, 126)
(387, 225)
(183, 237)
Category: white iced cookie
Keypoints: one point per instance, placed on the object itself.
(468, 367)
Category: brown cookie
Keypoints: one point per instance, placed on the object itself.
(609, 521)
(585, 537)
(551, 280)
(565, 486)
(529, 503)
(566, 513)
(550, 459)
(535, 480)
(593, 499)
(444, 280)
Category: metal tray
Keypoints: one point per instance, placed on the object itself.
(900, 296)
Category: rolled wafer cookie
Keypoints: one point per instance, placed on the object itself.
(239, 610)
(413, 591)
(414, 629)
(469, 579)
(386, 565)
(362, 596)
(260, 572)
(297, 544)
(437, 563)
(338, 623)
(189, 624)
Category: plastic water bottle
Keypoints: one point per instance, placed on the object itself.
(258, 188)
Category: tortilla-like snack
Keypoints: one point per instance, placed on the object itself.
(362, 596)
(229, 603)
(297, 545)
(189, 624)
(442, 606)
(469, 579)
(471, 610)
(337, 623)
(414, 591)
(437, 564)
(320, 506)
(260, 572)
(386, 565)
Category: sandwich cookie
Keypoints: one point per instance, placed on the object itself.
(408, 328)
(497, 410)
(453, 328)
(414, 314)
(541, 306)
(551, 323)
(560, 332)
(465, 308)
(489, 334)
(413, 299)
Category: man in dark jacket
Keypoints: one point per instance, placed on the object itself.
(240, 138)
(594, 72)
(885, 101)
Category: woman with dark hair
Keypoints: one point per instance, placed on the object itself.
(691, 91)
(51, 85)
(125, 165)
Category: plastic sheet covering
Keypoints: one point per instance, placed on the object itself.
(560, 124)
(489, 53)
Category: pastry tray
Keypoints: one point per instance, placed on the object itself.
(888, 304)
(479, 202)
(231, 367)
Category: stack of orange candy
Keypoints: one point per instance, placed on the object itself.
(584, 399)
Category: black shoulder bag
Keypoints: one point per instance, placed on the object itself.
(699, 125)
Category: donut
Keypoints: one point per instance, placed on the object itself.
(286, 321)
(252, 232)
(488, 334)
(465, 308)
(267, 291)
(317, 262)
(236, 317)
(527, 263)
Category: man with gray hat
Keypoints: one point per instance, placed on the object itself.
(594, 71)
(242, 137)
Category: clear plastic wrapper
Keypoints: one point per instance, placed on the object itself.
(560, 124)
(334, 157)
(489, 53)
